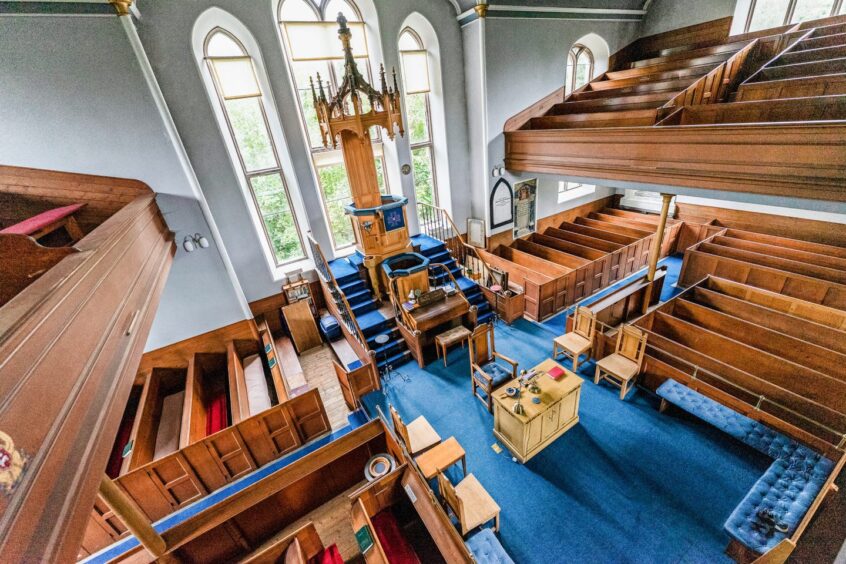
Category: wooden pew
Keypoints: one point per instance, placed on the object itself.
(788, 243)
(549, 269)
(589, 247)
(600, 225)
(645, 226)
(550, 254)
(775, 249)
(306, 539)
(597, 233)
(771, 261)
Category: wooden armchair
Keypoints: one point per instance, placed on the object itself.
(417, 436)
(485, 372)
(579, 341)
(470, 502)
(622, 367)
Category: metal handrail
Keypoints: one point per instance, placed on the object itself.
(436, 222)
(341, 303)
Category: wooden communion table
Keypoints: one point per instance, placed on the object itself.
(527, 434)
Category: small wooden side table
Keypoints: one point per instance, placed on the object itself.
(446, 339)
(440, 457)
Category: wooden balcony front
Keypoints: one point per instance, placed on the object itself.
(70, 343)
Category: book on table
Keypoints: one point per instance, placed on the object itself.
(556, 373)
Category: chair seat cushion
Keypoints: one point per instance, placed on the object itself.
(42, 220)
(486, 548)
(479, 506)
(573, 342)
(498, 373)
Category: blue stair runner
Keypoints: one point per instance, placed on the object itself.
(437, 252)
(372, 323)
(358, 293)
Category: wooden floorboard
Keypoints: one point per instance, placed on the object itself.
(319, 373)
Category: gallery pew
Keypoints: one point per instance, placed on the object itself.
(550, 254)
(803, 268)
(597, 233)
(305, 540)
(568, 246)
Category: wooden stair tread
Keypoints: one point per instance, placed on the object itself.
(809, 55)
(692, 53)
(801, 70)
(631, 102)
(675, 85)
(672, 65)
(821, 41)
(625, 118)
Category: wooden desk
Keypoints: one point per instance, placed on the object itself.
(427, 317)
(441, 457)
(528, 434)
(448, 338)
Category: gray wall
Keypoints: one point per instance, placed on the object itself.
(165, 30)
(526, 60)
(72, 98)
(664, 15)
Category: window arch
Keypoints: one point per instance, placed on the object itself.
(416, 82)
(765, 14)
(237, 87)
(309, 36)
(580, 67)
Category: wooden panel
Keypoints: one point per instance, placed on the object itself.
(302, 326)
(90, 314)
(270, 434)
(25, 192)
(163, 486)
(547, 253)
(771, 261)
(22, 261)
(803, 159)
(309, 415)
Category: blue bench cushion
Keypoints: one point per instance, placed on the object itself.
(760, 437)
(788, 488)
(498, 373)
(789, 485)
(486, 548)
(329, 327)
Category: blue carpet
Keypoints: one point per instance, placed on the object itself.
(557, 322)
(626, 484)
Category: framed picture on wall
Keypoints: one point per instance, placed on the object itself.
(476, 232)
(501, 204)
(525, 207)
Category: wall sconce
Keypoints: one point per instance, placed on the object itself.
(497, 171)
(191, 242)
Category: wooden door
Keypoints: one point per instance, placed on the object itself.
(301, 326)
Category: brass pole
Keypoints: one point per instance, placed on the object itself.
(655, 251)
(131, 515)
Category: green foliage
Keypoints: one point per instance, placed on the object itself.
(418, 120)
(424, 185)
(275, 208)
(251, 134)
(336, 194)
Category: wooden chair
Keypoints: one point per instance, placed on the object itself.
(622, 367)
(485, 372)
(579, 341)
(417, 436)
(470, 502)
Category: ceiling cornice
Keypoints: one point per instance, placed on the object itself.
(504, 11)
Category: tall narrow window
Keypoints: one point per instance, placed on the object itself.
(415, 73)
(579, 67)
(310, 35)
(766, 14)
(240, 96)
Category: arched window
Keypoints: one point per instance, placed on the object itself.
(238, 90)
(416, 82)
(765, 14)
(309, 33)
(579, 67)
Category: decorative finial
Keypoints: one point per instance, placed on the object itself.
(382, 78)
(313, 93)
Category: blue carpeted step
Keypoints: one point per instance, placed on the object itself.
(353, 286)
(390, 348)
(484, 318)
(363, 307)
(391, 331)
(441, 257)
(482, 307)
(356, 259)
(428, 245)
(465, 284)
(373, 323)
(358, 297)
(343, 271)
(395, 360)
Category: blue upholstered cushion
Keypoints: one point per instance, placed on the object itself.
(498, 373)
(486, 548)
(330, 328)
(788, 488)
(789, 485)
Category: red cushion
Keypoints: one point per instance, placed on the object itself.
(40, 221)
(396, 548)
(217, 416)
(330, 555)
(116, 458)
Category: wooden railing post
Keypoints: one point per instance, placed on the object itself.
(655, 251)
(132, 516)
